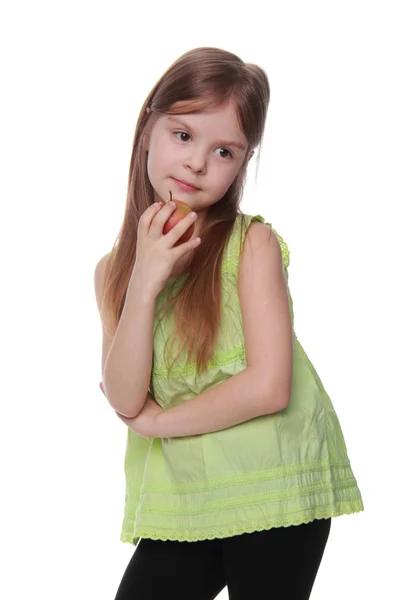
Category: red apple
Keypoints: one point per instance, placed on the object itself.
(182, 209)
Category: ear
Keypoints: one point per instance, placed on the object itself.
(247, 159)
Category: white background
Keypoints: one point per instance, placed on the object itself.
(74, 76)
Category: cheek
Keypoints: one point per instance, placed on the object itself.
(223, 179)
(154, 163)
(159, 159)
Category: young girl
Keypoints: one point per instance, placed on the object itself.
(235, 459)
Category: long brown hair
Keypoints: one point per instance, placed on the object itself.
(201, 78)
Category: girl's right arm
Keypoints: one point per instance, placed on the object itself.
(127, 358)
(127, 367)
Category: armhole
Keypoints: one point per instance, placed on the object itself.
(236, 242)
(246, 222)
(284, 249)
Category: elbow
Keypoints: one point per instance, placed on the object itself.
(276, 396)
(284, 402)
(283, 393)
(124, 412)
(123, 408)
(280, 402)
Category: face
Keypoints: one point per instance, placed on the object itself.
(204, 149)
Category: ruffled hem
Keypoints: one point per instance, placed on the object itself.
(248, 527)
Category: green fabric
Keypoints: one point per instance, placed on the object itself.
(281, 469)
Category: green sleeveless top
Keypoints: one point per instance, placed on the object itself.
(281, 469)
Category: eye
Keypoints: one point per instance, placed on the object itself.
(183, 133)
(229, 155)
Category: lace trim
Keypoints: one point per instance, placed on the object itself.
(221, 359)
(284, 248)
(231, 265)
(251, 526)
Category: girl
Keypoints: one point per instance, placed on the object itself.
(235, 459)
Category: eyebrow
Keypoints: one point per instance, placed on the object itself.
(235, 144)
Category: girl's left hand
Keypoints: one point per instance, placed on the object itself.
(144, 423)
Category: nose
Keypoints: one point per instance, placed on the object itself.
(196, 161)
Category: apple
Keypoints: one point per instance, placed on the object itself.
(182, 209)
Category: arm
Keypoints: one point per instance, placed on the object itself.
(127, 358)
(127, 369)
(264, 386)
(239, 399)
(242, 397)
(127, 355)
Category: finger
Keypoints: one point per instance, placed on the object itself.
(180, 228)
(148, 216)
(182, 249)
(161, 218)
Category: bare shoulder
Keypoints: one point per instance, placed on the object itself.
(261, 261)
(261, 241)
(99, 275)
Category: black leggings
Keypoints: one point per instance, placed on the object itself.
(274, 564)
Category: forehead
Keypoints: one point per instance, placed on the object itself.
(221, 120)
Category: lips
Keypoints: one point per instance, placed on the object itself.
(184, 182)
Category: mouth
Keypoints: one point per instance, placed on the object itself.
(186, 185)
